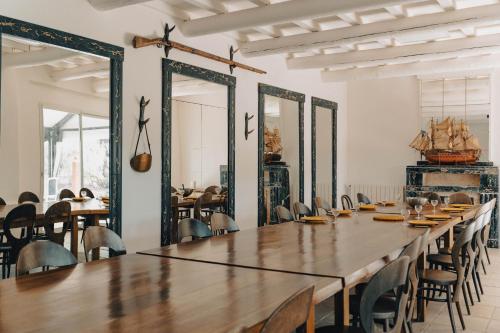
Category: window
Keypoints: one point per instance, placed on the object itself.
(76, 153)
(465, 99)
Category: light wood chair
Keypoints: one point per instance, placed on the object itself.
(460, 198)
(43, 253)
(283, 214)
(301, 209)
(221, 223)
(96, 237)
(322, 205)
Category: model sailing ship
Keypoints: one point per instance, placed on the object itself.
(448, 142)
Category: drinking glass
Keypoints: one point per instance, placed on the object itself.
(446, 201)
(434, 203)
(83, 193)
(405, 213)
(418, 209)
(335, 213)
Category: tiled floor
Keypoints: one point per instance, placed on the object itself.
(485, 316)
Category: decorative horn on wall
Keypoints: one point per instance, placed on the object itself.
(142, 162)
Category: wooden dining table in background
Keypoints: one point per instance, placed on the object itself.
(90, 208)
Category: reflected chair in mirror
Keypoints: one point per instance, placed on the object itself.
(22, 217)
(393, 277)
(221, 223)
(28, 197)
(363, 199)
(460, 198)
(214, 189)
(291, 315)
(2, 203)
(96, 237)
(59, 213)
(66, 194)
(432, 196)
(43, 254)
(193, 228)
(346, 202)
(300, 209)
(283, 214)
(91, 195)
(174, 217)
(203, 201)
(322, 206)
(88, 193)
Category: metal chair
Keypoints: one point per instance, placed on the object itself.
(193, 228)
(300, 210)
(323, 205)
(43, 253)
(66, 194)
(21, 217)
(291, 315)
(460, 198)
(203, 200)
(221, 223)
(89, 193)
(346, 202)
(60, 212)
(283, 214)
(96, 237)
(28, 197)
(363, 199)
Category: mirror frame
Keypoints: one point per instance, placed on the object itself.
(332, 106)
(115, 54)
(170, 67)
(265, 89)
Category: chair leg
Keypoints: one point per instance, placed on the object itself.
(474, 280)
(459, 310)
(487, 254)
(479, 282)
(465, 299)
(450, 309)
(386, 325)
(470, 293)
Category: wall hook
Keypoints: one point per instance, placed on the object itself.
(247, 119)
(166, 40)
(232, 52)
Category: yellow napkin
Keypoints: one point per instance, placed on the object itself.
(389, 217)
(437, 216)
(424, 223)
(367, 207)
(314, 219)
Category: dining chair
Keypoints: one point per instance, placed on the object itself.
(88, 193)
(460, 198)
(283, 214)
(485, 234)
(193, 228)
(346, 202)
(96, 237)
(291, 315)
(393, 277)
(432, 196)
(21, 217)
(28, 197)
(43, 253)
(363, 199)
(301, 209)
(60, 212)
(66, 194)
(174, 216)
(221, 223)
(323, 205)
(212, 189)
(2, 203)
(199, 204)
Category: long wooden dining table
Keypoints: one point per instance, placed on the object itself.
(135, 293)
(90, 208)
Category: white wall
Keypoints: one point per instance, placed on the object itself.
(142, 76)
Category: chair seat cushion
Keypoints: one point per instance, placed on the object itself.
(440, 259)
(438, 277)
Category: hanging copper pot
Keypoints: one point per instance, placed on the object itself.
(142, 162)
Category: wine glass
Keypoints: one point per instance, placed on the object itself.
(418, 209)
(446, 201)
(335, 213)
(83, 193)
(434, 203)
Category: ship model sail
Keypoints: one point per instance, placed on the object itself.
(448, 142)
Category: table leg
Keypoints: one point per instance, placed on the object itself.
(311, 320)
(448, 238)
(95, 252)
(342, 308)
(74, 236)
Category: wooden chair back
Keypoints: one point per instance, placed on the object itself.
(66, 194)
(432, 196)
(212, 189)
(363, 199)
(463, 256)
(301, 209)
(43, 253)
(2, 202)
(21, 217)
(322, 205)
(460, 198)
(193, 228)
(203, 200)
(28, 197)
(221, 223)
(60, 212)
(283, 214)
(96, 237)
(346, 202)
(90, 194)
(291, 315)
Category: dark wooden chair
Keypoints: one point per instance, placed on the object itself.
(432, 196)
(363, 199)
(460, 198)
(60, 212)
(300, 209)
(21, 217)
(212, 189)
(291, 315)
(28, 197)
(322, 206)
(346, 202)
(43, 253)
(2, 202)
(96, 237)
(89, 193)
(66, 194)
(283, 214)
(221, 223)
(393, 277)
(199, 204)
(193, 228)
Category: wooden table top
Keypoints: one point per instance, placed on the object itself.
(88, 207)
(189, 202)
(151, 294)
(351, 248)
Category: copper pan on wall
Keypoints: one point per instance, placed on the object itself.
(142, 162)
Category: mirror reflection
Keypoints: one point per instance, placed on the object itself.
(281, 155)
(55, 121)
(199, 147)
(324, 154)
